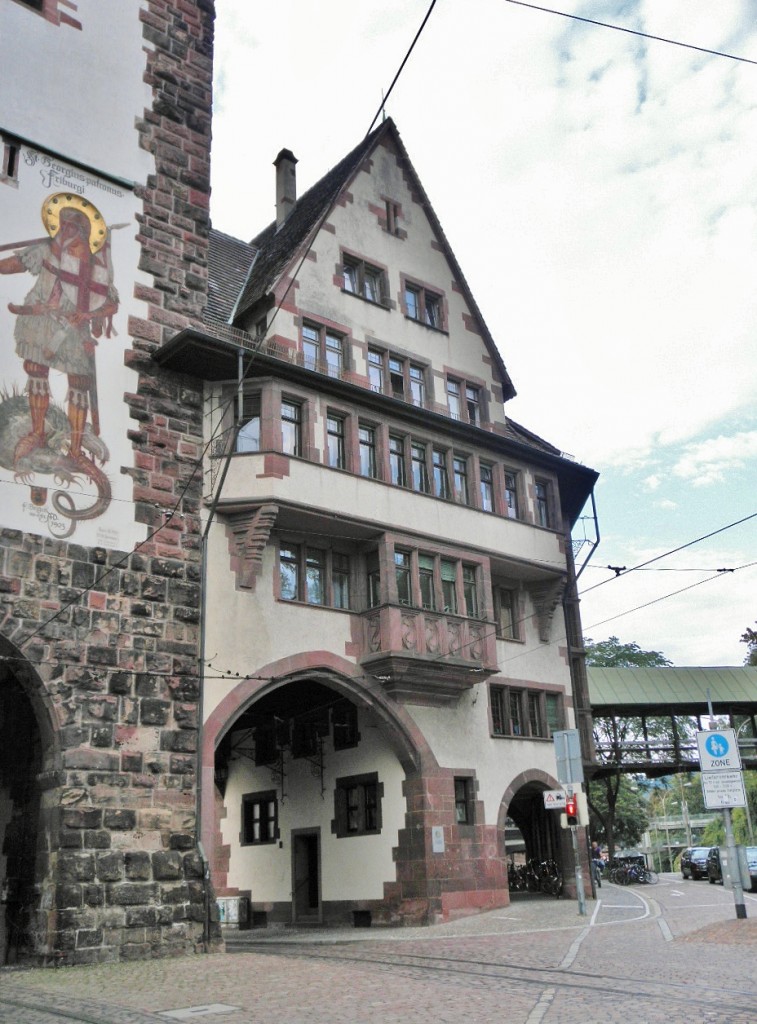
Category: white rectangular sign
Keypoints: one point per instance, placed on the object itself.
(554, 799)
(723, 789)
(718, 751)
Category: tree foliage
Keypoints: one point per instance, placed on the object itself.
(611, 653)
(618, 808)
(749, 637)
(714, 834)
(618, 811)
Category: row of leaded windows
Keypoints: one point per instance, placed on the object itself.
(414, 464)
(524, 712)
(321, 577)
(314, 576)
(432, 583)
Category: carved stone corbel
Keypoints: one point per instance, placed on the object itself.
(248, 535)
(546, 595)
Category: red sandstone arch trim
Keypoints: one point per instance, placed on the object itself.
(530, 775)
(402, 733)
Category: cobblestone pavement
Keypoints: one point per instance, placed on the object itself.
(672, 953)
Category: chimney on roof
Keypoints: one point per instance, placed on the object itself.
(286, 185)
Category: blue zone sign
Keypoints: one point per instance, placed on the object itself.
(718, 751)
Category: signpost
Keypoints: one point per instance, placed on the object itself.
(723, 788)
(554, 799)
(570, 772)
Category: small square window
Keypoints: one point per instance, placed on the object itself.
(486, 477)
(464, 801)
(335, 442)
(260, 822)
(248, 435)
(363, 279)
(367, 451)
(323, 350)
(357, 805)
(543, 510)
(291, 428)
(506, 612)
(424, 306)
(397, 469)
(511, 495)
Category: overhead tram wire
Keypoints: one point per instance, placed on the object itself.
(634, 32)
(169, 513)
(313, 233)
(401, 67)
(673, 551)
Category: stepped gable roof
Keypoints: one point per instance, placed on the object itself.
(278, 248)
(229, 262)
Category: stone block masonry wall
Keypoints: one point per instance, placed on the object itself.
(105, 643)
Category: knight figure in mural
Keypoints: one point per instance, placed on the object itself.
(69, 307)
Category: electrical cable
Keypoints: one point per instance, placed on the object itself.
(633, 32)
(257, 344)
(673, 551)
(402, 65)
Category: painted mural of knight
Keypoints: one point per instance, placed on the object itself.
(58, 326)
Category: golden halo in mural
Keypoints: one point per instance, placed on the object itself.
(59, 201)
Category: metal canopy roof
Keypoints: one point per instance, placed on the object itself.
(637, 687)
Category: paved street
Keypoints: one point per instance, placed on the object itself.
(671, 953)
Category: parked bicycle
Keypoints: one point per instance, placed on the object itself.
(630, 873)
(535, 876)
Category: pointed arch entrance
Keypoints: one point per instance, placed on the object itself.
(305, 809)
(26, 751)
(542, 838)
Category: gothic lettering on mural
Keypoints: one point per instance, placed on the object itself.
(52, 442)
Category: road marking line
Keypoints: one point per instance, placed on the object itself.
(536, 1016)
(191, 1012)
(666, 932)
(572, 953)
(620, 906)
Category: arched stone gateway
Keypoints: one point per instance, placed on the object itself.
(319, 801)
(544, 840)
(27, 761)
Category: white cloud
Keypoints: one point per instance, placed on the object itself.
(598, 193)
(708, 461)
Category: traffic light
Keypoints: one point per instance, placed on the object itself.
(571, 810)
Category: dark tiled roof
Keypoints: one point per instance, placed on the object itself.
(522, 435)
(278, 248)
(229, 262)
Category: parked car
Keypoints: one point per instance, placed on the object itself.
(694, 862)
(751, 859)
(715, 872)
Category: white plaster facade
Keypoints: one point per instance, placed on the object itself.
(455, 701)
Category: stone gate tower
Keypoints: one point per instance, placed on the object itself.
(104, 196)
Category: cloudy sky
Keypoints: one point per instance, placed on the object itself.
(599, 190)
